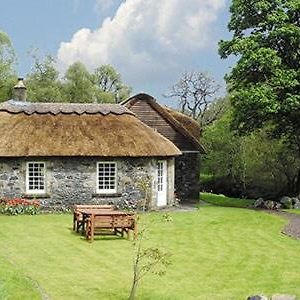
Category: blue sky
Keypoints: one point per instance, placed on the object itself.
(150, 42)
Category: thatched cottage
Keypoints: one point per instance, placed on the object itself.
(182, 131)
(82, 153)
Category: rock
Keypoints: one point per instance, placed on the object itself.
(296, 202)
(277, 205)
(297, 205)
(257, 297)
(259, 203)
(283, 297)
(286, 202)
(269, 204)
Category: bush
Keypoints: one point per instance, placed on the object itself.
(19, 206)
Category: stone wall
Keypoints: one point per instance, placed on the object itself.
(73, 180)
(187, 172)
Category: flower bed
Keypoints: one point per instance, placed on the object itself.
(19, 206)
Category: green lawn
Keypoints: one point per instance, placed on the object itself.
(222, 200)
(217, 253)
(293, 211)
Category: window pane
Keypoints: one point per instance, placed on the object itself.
(36, 177)
(106, 176)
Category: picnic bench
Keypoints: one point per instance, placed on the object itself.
(78, 221)
(98, 221)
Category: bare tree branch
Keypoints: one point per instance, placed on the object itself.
(195, 91)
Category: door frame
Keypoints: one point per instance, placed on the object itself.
(162, 182)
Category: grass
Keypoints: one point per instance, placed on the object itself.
(293, 211)
(204, 177)
(221, 200)
(217, 253)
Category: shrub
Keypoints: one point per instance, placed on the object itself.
(19, 206)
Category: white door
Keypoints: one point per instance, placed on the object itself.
(161, 183)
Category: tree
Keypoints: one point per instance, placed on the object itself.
(43, 84)
(7, 73)
(146, 259)
(264, 85)
(79, 85)
(253, 166)
(195, 91)
(110, 84)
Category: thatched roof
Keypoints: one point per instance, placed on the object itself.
(77, 130)
(183, 124)
(187, 122)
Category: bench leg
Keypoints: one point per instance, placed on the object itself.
(92, 228)
(74, 222)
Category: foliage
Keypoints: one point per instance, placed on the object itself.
(43, 84)
(78, 85)
(252, 166)
(149, 259)
(19, 206)
(221, 200)
(224, 247)
(264, 85)
(195, 92)
(7, 61)
(110, 84)
(146, 259)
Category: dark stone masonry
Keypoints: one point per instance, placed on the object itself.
(73, 180)
(187, 170)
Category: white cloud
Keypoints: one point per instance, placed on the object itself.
(145, 38)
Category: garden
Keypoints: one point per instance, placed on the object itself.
(216, 252)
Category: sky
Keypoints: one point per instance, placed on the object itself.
(150, 42)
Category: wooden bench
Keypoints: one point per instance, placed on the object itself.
(110, 222)
(77, 213)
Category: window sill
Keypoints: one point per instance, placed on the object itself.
(36, 196)
(101, 195)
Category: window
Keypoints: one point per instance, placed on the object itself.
(106, 177)
(35, 178)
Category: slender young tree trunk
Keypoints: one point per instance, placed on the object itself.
(133, 290)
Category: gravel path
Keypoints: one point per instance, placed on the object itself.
(293, 227)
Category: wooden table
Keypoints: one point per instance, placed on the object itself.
(97, 221)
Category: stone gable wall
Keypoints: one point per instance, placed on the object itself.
(187, 172)
(73, 180)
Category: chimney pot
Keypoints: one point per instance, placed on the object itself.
(20, 90)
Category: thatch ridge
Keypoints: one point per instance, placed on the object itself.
(29, 108)
(39, 135)
(166, 115)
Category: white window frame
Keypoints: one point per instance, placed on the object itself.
(34, 192)
(107, 191)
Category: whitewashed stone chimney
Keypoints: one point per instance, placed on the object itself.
(20, 90)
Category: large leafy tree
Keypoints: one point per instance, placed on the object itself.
(79, 85)
(43, 84)
(7, 73)
(254, 165)
(101, 86)
(264, 85)
(110, 85)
